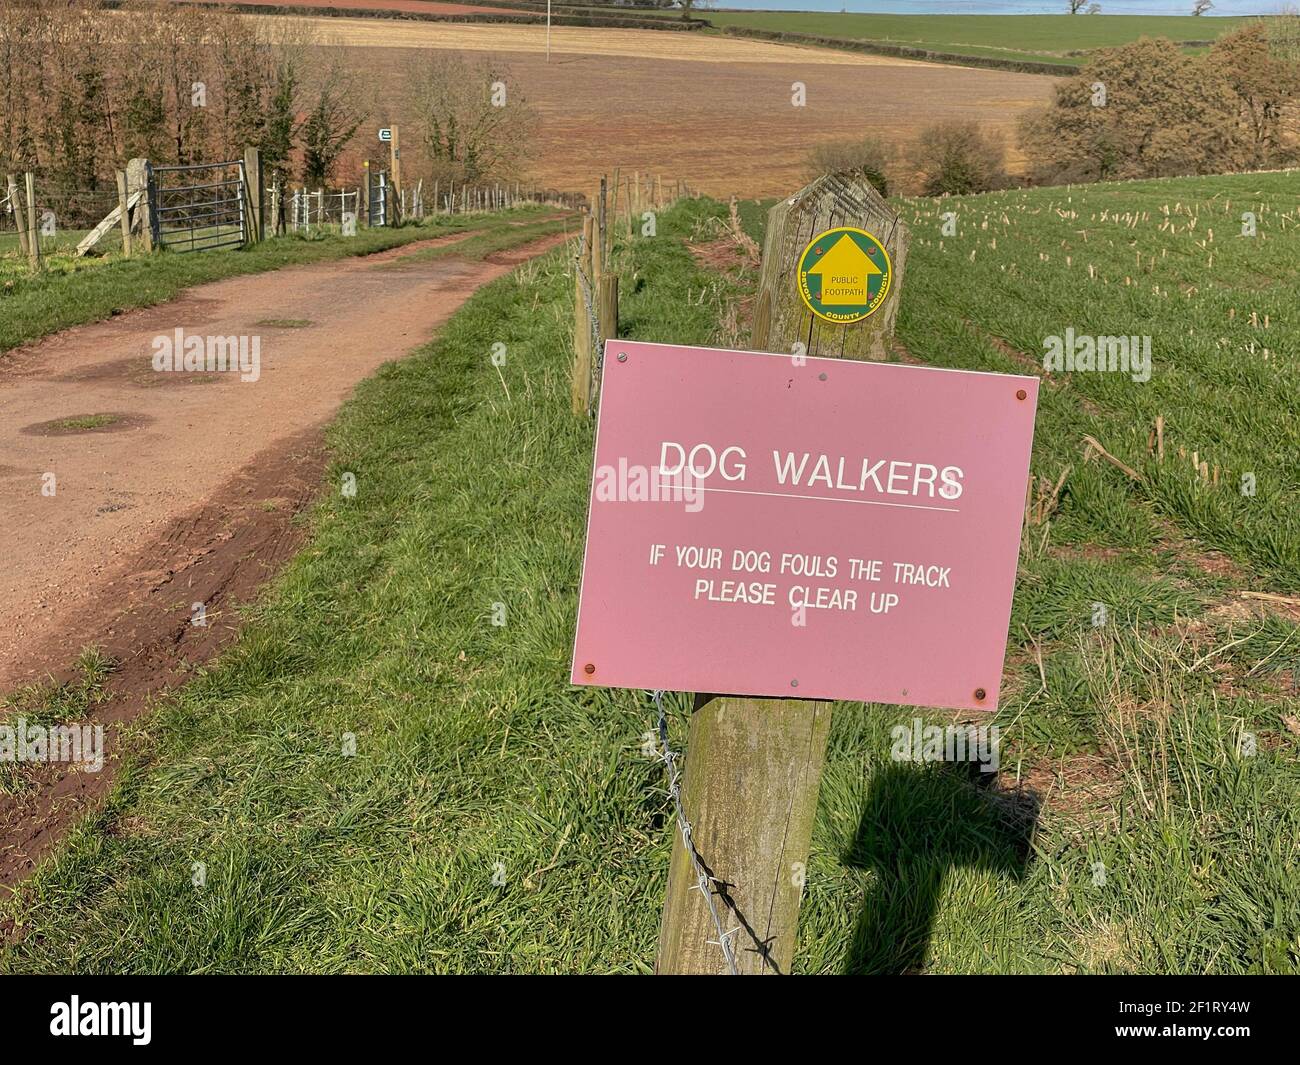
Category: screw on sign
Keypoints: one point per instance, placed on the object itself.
(844, 275)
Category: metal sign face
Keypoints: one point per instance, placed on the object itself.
(802, 527)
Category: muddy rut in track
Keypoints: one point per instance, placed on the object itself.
(178, 488)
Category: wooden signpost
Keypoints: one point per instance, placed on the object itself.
(393, 208)
(781, 318)
(754, 765)
(789, 528)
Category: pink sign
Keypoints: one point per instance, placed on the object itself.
(810, 528)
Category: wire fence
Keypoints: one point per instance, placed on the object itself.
(65, 211)
(468, 199)
(623, 204)
(306, 207)
(208, 206)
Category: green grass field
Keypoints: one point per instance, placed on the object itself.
(1147, 818)
(1041, 38)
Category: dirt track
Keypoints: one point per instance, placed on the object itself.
(188, 497)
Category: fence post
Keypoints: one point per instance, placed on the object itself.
(393, 211)
(277, 206)
(19, 213)
(611, 214)
(753, 766)
(596, 249)
(582, 346)
(33, 233)
(139, 179)
(124, 218)
(253, 177)
(609, 306)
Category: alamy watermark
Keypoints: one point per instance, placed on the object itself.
(632, 483)
(208, 354)
(1101, 354)
(81, 745)
(919, 742)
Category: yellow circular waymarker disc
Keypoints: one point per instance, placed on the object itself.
(844, 275)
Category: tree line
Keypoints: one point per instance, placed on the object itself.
(86, 88)
(1141, 110)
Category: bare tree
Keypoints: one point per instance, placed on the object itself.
(870, 157)
(688, 6)
(958, 157)
(471, 117)
(331, 122)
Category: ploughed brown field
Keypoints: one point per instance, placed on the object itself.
(713, 111)
(422, 7)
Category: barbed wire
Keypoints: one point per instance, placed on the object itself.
(703, 881)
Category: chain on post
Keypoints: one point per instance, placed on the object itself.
(703, 881)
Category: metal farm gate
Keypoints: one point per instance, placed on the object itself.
(199, 207)
(378, 206)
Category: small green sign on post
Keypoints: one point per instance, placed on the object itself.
(844, 275)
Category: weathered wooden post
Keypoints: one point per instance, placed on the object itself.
(139, 179)
(602, 218)
(123, 214)
(277, 209)
(393, 210)
(834, 200)
(19, 213)
(582, 345)
(609, 306)
(33, 231)
(253, 183)
(753, 765)
(611, 215)
(597, 248)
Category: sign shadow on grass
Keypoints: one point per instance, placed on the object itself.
(918, 822)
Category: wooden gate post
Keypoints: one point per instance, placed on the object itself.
(256, 209)
(753, 766)
(138, 179)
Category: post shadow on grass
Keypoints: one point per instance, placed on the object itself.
(919, 821)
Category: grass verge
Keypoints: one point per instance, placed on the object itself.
(379, 777)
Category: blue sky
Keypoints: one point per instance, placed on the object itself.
(1009, 7)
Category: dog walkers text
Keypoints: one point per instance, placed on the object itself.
(808, 470)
